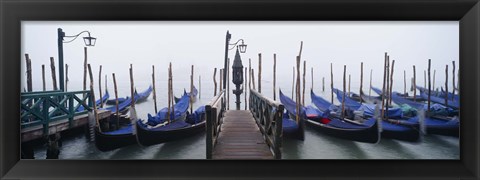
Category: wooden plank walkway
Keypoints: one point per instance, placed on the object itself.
(240, 138)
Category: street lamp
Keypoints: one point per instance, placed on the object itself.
(242, 47)
(237, 77)
(89, 41)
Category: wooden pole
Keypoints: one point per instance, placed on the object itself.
(43, 77)
(100, 85)
(293, 82)
(215, 82)
(274, 76)
(199, 87)
(429, 87)
(221, 80)
(245, 85)
(253, 78)
(331, 81)
(298, 97)
(191, 92)
(304, 73)
(433, 82)
(92, 96)
(387, 104)
(228, 83)
(154, 90)
(384, 87)
(260, 72)
(169, 91)
(29, 73)
(66, 77)
(132, 86)
(344, 90)
(391, 83)
(172, 97)
(370, 89)
(414, 84)
(425, 78)
(453, 82)
(405, 81)
(323, 84)
(311, 73)
(361, 82)
(85, 69)
(250, 73)
(116, 100)
(349, 80)
(446, 85)
(54, 77)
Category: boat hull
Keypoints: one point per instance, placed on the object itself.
(148, 137)
(409, 133)
(367, 135)
(107, 142)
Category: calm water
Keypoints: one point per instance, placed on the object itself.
(315, 146)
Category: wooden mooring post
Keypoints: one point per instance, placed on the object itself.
(116, 100)
(214, 82)
(344, 90)
(361, 82)
(100, 86)
(253, 79)
(54, 77)
(191, 92)
(245, 86)
(293, 82)
(383, 86)
(29, 73)
(228, 83)
(446, 85)
(155, 91)
(405, 82)
(414, 84)
(429, 87)
(303, 84)
(391, 83)
(93, 98)
(274, 77)
(331, 81)
(44, 87)
(260, 72)
(453, 82)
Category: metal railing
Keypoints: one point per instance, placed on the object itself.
(214, 112)
(268, 115)
(45, 107)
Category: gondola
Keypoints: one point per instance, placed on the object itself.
(97, 102)
(156, 129)
(440, 100)
(143, 95)
(194, 97)
(393, 127)
(325, 123)
(435, 124)
(113, 101)
(291, 128)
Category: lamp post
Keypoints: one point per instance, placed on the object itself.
(237, 77)
(242, 47)
(89, 41)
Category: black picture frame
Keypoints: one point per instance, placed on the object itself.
(467, 12)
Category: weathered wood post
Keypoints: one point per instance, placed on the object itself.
(414, 84)
(388, 87)
(92, 92)
(43, 78)
(361, 82)
(85, 69)
(405, 82)
(297, 92)
(253, 78)
(391, 83)
(260, 72)
(191, 92)
(344, 90)
(116, 100)
(221, 80)
(323, 84)
(429, 87)
(349, 80)
(29, 73)
(66, 77)
(383, 86)
(250, 73)
(311, 73)
(133, 111)
(274, 76)
(303, 84)
(199, 87)
(154, 89)
(228, 83)
(293, 82)
(453, 82)
(169, 91)
(446, 85)
(245, 85)
(214, 82)
(370, 89)
(54, 77)
(100, 85)
(331, 81)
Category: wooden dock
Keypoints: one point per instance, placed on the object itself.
(240, 138)
(35, 132)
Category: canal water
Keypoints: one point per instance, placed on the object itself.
(315, 146)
